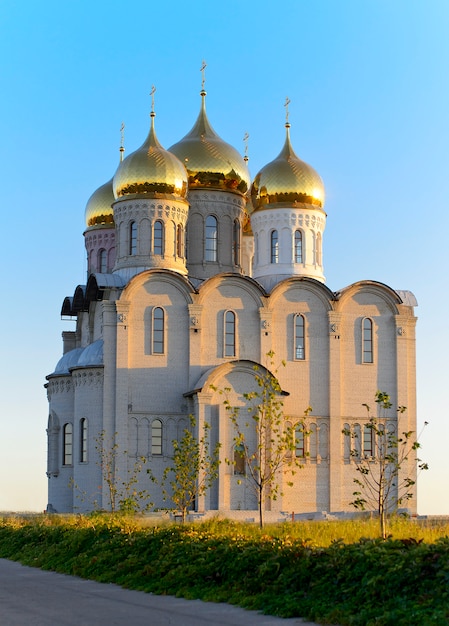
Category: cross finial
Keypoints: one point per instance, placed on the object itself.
(152, 92)
(203, 72)
(287, 102)
(245, 141)
(122, 140)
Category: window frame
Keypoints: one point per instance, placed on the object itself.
(274, 247)
(211, 239)
(367, 341)
(158, 237)
(239, 465)
(300, 441)
(102, 261)
(157, 436)
(67, 444)
(229, 336)
(236, 242)
(132, 231)
(83, 440)
(298, 246)
(299, 338)
(158, 326)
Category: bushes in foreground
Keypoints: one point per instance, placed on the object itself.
(282, 570)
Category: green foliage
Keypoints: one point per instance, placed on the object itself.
(194, 468)
(382, 486)
(273, 453)
(286, 569)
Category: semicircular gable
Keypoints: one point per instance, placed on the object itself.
(212, 376)
(236, 280)
(181, 283)
(79, 299)
(317, 288)
(380, 290)
(67, 307)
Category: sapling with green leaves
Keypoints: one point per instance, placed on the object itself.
(383, 483)
(124, 493)
(193, 470)
(271, 453)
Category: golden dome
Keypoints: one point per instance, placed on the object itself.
(211, 163)
(150, 170)
(287, 180)
(99, 206)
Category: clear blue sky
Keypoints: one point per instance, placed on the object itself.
(368, 84)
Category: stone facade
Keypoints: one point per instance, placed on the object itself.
(169, 322)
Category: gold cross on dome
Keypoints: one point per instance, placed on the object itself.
(245, 141)
(152, 92)
(203, 72)
(287, 102)
(122, 140)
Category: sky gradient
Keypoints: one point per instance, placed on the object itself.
(368, 84)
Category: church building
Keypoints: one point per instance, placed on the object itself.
(195, 272)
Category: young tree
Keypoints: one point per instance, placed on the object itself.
(383, 484)
(194, 469)
(123, 492)
(272, 452)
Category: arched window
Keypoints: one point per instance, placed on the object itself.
(239, 460)
(298, 246)
(67, 444)
(158, 237)
(236, 243)
(300, 346)
(158, 331)
(274, 243)
(229, 334)
(368, 441)
(211, 238)
(180, 241)
(367, 340)
(102, 261)
(300, 450)
(83, 440)
(156, 437)
(133, 238)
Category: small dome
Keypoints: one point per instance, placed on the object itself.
(211, 163)
(150, 170)
(287, 180)
(67, 361)
(92, 355)
(99, 206)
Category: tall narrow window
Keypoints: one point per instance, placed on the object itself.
(239, 460)
(133, 238)
(211, 238)
(367, 340)
(229, 334)
(300, 347)
(158, 330)
(158, 237)
(274, 242)
(300, 451)
(102, 261)
(298, 246)
(156, 437)
(179, 241)
(83, 440)
(236, 243)
(67, 444)
(368, 450)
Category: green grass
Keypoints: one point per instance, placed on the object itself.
(330, 572)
